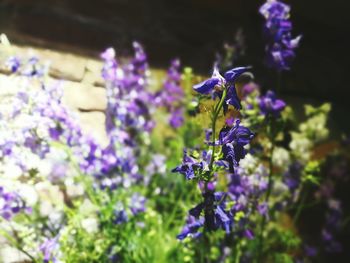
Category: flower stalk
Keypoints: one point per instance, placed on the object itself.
(216, 113)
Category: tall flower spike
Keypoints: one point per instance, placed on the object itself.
(172, 95)
(280, 47)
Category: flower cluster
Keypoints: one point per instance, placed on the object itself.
(51, 159)
(128, 117)
(233, 141)
(172, 95)
(231, 210)
(192, 167)
(280, 47)
(127, 97)
(11, 204)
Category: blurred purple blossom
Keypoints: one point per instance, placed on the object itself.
(11, 204)
(270, 105)
(280, 47)
(49, 249)
(332, 226)
(172, 95)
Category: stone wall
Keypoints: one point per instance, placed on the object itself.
(80, 78)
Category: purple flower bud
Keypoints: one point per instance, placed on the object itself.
(270, 105)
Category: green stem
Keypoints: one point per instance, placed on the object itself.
(267, 197)
(269, 185)
(238, 253)
(217, 110)
(303, 194)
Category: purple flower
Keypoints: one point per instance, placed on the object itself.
(128, 119)
(177, 118)
(110, 66)
(128, 101)
(140, 59)
(292, 177)
(263, 209)
(248, 233)
(13, 63)
(274, 9)
(49, 248)
(211, 214)
(249, 88)
(310, 251)
(11, 204)
(280, 47)
(172, 90)
(192, 167)
(33, 68)
(217, 83)
(191, 228)
(172, 95)
(120, 216)
(233, 141)
(137, 204)
(332, 227)
(270, 105)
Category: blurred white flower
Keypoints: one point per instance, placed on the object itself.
(281, 157)
(90, 225)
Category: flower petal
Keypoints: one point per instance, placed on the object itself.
(234, 73)
(206, 86)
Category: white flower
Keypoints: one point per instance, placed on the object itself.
(249, 163)
(90, 225)
(281, 157)
(29, 194)
(11, 170)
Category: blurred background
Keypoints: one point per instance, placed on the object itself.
(194, 31)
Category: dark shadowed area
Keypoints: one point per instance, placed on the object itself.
(193, 30)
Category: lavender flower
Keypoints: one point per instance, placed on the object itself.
(192, 167)
(128, 100)
(137, 204)
(191, 228)
(270, 105)
(172, 95)
(11, 204)
(120, 217)
(280, 47)
(13, 63)
(128, 118)
(49, 250)
(292, 177)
